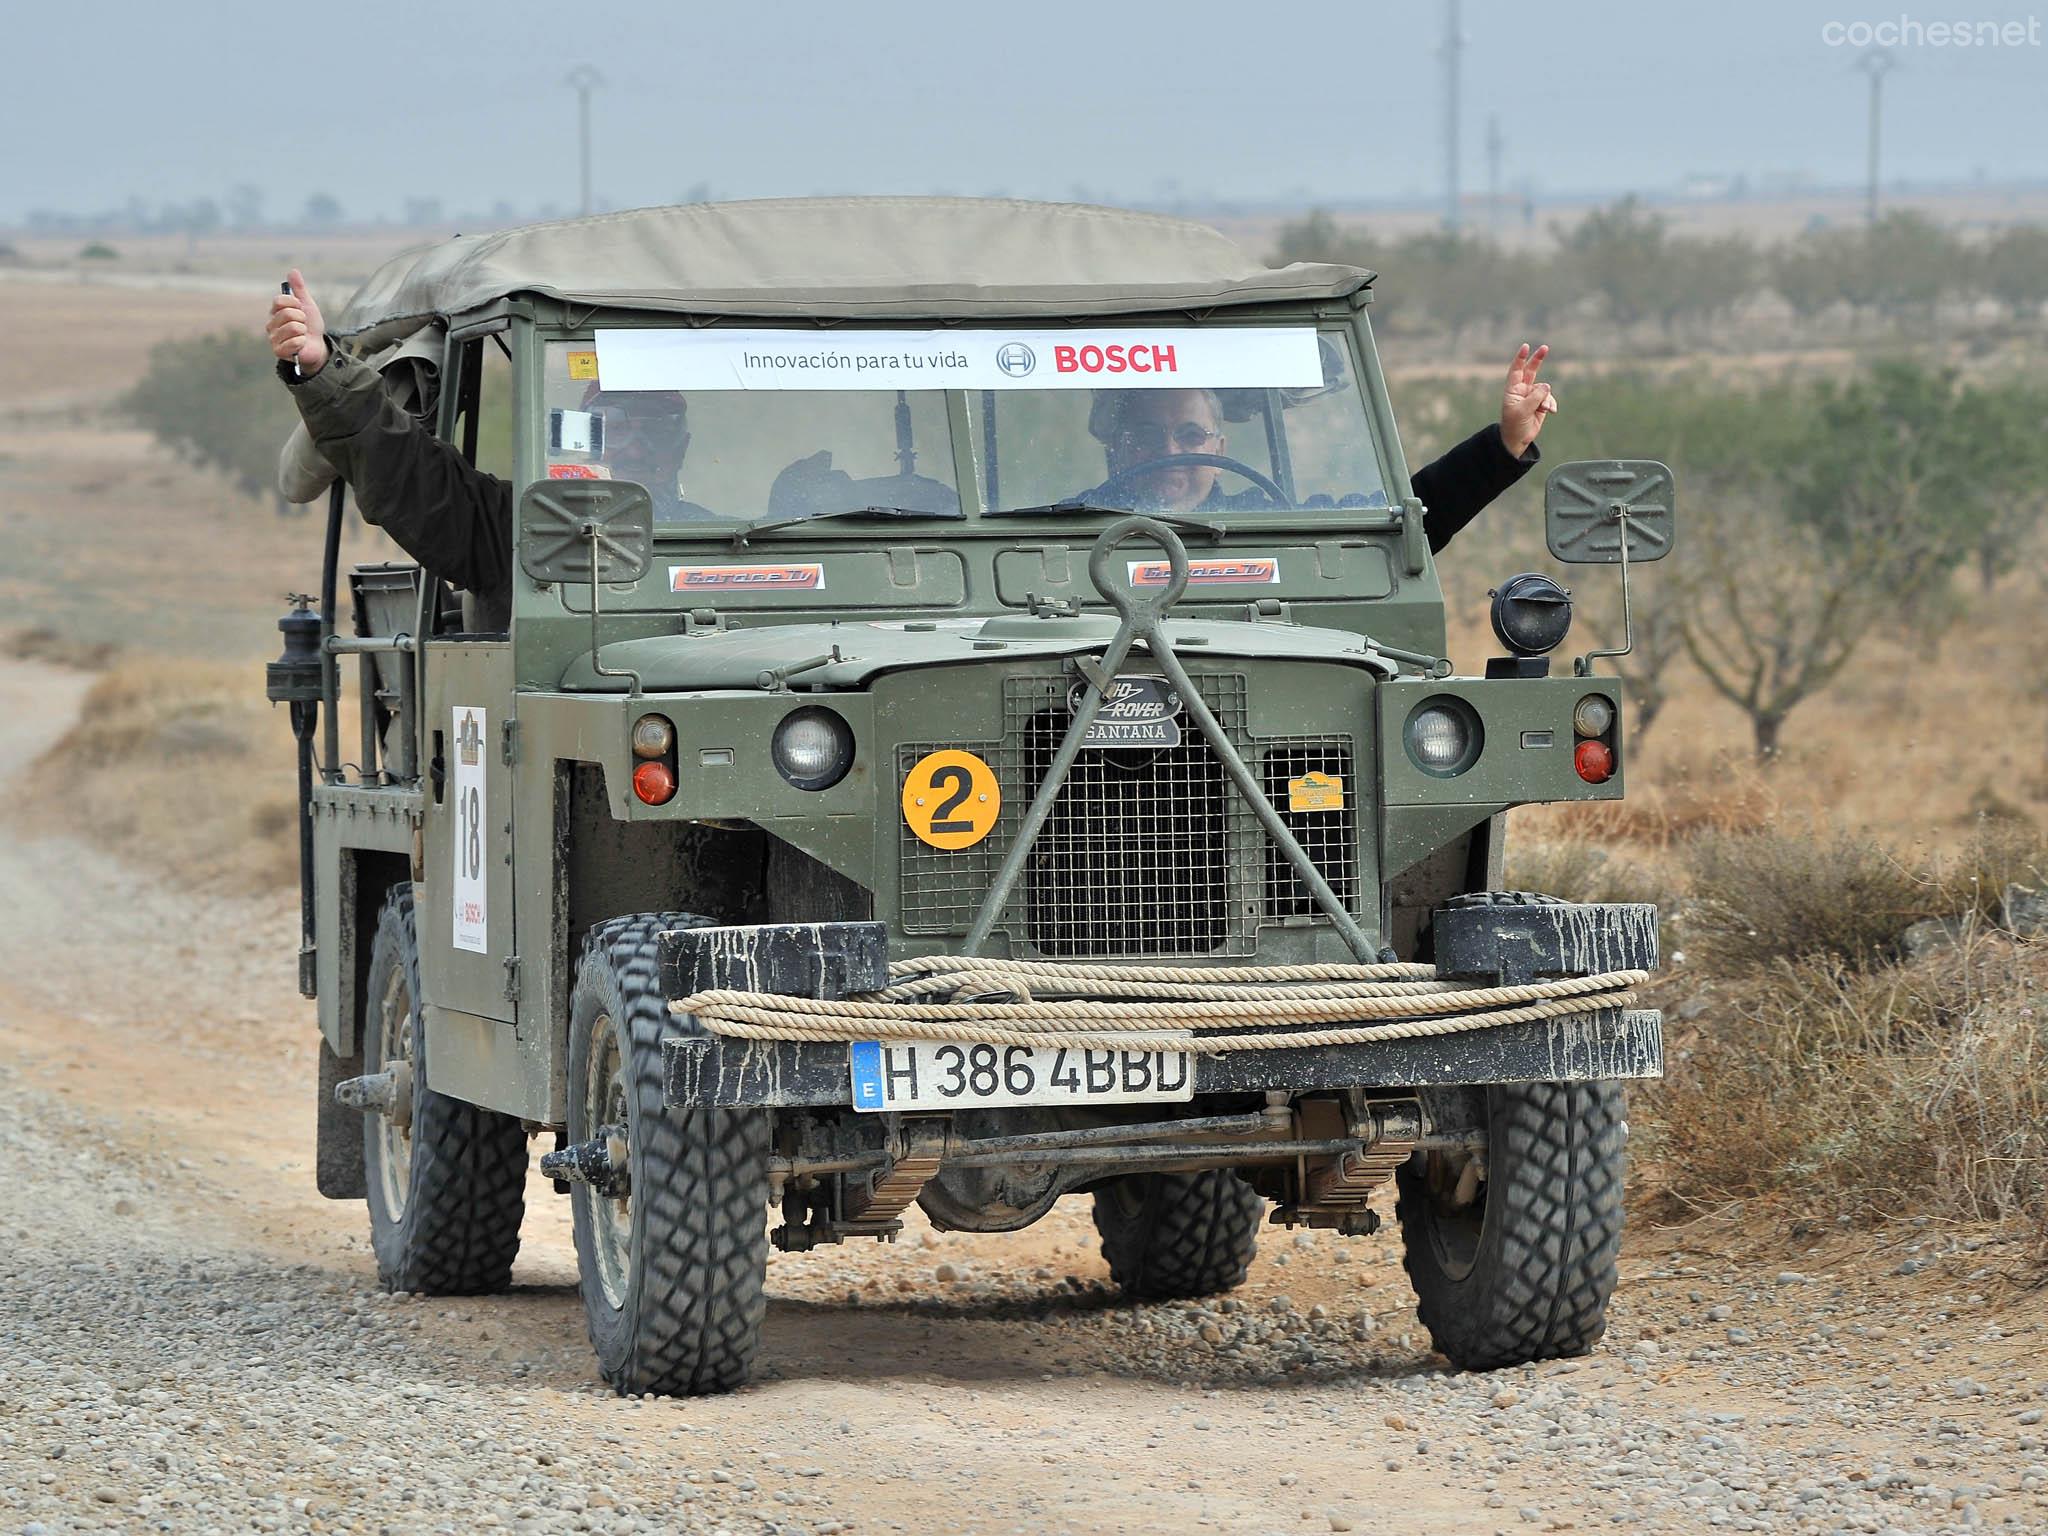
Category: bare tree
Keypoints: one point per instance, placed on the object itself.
(1770, 609)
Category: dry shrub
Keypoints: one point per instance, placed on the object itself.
(41, 643)
(1729, 797)
(2003, 851)
(1824, 892)
(1868, 1092)
(182, 765)
(1808, 892)
(1581, 869)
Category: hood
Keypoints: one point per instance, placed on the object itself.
(851, 655)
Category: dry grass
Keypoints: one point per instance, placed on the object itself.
(1866, 1093)
(41, 643)
(1815, 891)
(180, 765)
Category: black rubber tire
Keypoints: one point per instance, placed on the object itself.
(1526, 1270)
(1169, 1236)
(695, 1269)
(458, 1230)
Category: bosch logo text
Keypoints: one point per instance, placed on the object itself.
(1114, 358)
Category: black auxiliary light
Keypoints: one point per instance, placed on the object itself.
(1531, 616)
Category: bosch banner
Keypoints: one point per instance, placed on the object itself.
(1219, 357)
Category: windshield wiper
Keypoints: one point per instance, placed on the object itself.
(1215, 531)
(770, 524)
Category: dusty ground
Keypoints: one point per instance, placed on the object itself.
(195, 1340)
(192, 1340)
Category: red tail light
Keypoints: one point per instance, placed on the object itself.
(1595, 761)
(656, 782)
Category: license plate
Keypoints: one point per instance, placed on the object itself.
(891, 1075)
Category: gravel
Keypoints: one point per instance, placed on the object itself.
(194, 1342)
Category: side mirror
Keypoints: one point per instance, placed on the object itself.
(586, 530)
(1583, 505)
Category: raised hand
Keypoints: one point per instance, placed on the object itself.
(296, 330)
(1526, 401)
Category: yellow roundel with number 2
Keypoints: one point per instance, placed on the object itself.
(951, 799)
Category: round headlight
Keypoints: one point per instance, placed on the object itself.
(1592, 715)
(652, 736)
(812, 748)
(1531, 614)
(1443, 737)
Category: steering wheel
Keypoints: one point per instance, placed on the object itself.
(1118, 481)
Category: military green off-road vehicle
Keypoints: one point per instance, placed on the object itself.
(972, 727)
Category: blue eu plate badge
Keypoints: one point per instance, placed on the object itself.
(867, 1074)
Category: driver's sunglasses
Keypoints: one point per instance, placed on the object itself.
(1183, 437)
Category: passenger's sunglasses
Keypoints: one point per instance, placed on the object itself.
(620, 419)
(1183, 437)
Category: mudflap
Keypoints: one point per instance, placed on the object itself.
(338, 1148)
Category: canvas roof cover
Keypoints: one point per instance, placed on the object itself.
(846, 257)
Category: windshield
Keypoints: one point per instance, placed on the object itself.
(1235, 443)
(726, 455)
(741, 425)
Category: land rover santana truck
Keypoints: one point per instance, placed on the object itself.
(921, 796)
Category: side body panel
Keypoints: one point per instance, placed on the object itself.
(468, 932)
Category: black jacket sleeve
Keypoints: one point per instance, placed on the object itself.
(1456, 488)
(451, 517)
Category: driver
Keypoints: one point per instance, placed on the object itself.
(1137, 427)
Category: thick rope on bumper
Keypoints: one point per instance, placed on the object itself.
(1139, 1008)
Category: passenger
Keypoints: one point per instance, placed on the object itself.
(646, 436)
(453, 518)
(1143, 426)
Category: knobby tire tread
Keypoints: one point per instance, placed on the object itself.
(1190, 1234)
(1546, 1263)
(696, 1297)
(459, 1232)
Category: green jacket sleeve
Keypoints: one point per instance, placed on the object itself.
(451, 517)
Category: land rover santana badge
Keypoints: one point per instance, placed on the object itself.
(1139, 712)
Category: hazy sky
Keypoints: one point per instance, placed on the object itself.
(381, 100)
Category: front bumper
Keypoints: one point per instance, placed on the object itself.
(1506, 946)
(707, 1071)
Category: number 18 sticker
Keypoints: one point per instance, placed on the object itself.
(951, 799)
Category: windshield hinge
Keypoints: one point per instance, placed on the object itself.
(511, 978)
(1270, 609)
(1414, 537)
(1052, 607)
(508, 743)
(703, 621)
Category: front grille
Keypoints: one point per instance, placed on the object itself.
(1147, 851)
(1135, 858)
(1329, 838)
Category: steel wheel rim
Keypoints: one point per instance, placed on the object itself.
(394, 1140)
(1454, 1230)
(611, 1221)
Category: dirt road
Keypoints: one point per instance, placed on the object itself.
(192, 1340)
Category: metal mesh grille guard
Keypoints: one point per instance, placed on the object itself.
(1147, 851)
(1151, 851)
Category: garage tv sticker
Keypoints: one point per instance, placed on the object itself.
(747, 578)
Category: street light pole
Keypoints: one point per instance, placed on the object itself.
(1877, 63)
(1452, 50)
(583, 80)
